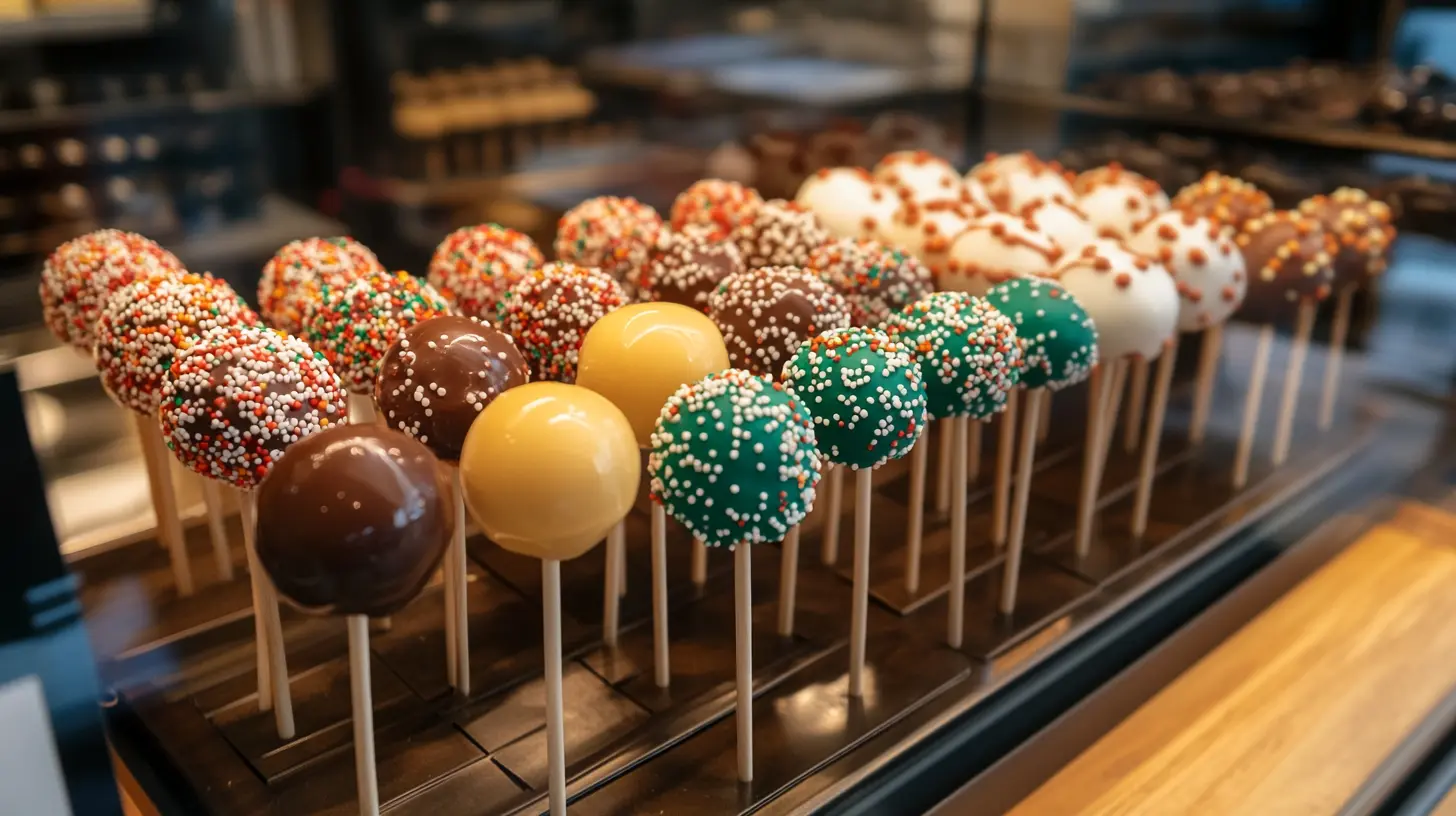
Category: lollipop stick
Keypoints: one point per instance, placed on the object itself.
(1339, 332)
(447, 585)
(617, 541)
(1137, 396)
(973, 454)
(660, 667)
(860, 607)
(459, 576)
(164, 501)
(1023, 495)
(1005, 447)
(942, 467)
(788, 581)
(1114, 406)
(743, 624)
(555, 727)
(1157, 413)
(1098, 396)
(834, 485)
(365, 774)
(1292, 376)
(1044, 419)
(260, 595)
(217, 528)
(268, 614)
(611, 594)
(955, 623)
(700, 563)
(361, 409)
(1257, 375)
(1203, 390)
(915, 527)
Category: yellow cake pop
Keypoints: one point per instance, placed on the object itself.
(640, 355)
(549, 468)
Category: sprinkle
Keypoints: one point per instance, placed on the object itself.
(615, 235)
(81, 274)
(549, 312)
(765, 314)
(968, 352)
(474, 266)
(293, 278)
(353, 324)
(877, 281)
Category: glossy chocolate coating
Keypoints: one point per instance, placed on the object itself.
(1289, 262)
(354, 521)
(441, 374)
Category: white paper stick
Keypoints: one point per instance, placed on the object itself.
(915, 525)
(1005, 457)
(256, 581)
(956, 617)
(1293, 375)
(1099, 390)
(743, 626)
(834, 508)
(1157, 413)
(555, 717)
(699, 563)
(973, 453)
(1252, 401)
(164, 501)
(277, 657)
(942, 467)
(611, 594)
(860, 605)
(222, 554)
(360, 692)
(1017, 537)
(459, 576)
(1207, 378)
(788, 580)
(1136, 399)
(1339, 333)
(661, 671)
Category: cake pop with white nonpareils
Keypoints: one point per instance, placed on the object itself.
(1225, 199)
(549, 312)
(780, 233)
(714, 204)
(355, 323)
(294, 276)
(81, 275)
(1130, 297)
(689, 265)
(918, 175)
(848, 202)
(766, 314)
(876, 280)
(615, 235)
(1062, 222)
(995, 249)
(1207, 267)
(927, 229)
(475, 265)
(1118, 201)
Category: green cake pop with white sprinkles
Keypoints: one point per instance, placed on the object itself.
(1058, 339)
(733, 459)
(968, 352)
(865, 393)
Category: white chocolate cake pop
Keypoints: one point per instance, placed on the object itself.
(1206, 266)
(1130, 297)
(1061, 222)
(995, 249)
(1016, 181)
(1118, 201)
(917, 175)
(926, 230)
(848, 202)
(974, 193)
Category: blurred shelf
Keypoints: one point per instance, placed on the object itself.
(76, 26)
(1321, 135)
(196, 102)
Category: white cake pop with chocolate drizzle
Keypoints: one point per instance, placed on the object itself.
(917, 175)
(995, 249)
(1118, 201)
(926, 230)
(1061, 222)
(848, 202)
(1205, 263)
(1130, 297)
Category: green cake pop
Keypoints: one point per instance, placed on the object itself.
(1058, 339)
(968, 352)
(865, 394)
(733, 459)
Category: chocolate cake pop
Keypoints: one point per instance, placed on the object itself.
(997, 248)
(79, 277)
(294, 276)
(1130, 297)
(927, 229)
(968, 353)
(1225, 199)
(689, 265)
(918, 176)
(876, 281)
(1118, 201)
(765, 314)
(716, 205)
(474, 266)
(355, 323)
(1059, 340)
(1064, 223)
(615, 235)
(1206, 266)
(1290, 261)
(440, 374)
(1362, 228)
(549, 312)
(848, 202)
(780, 233)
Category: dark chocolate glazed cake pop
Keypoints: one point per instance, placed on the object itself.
(550, 310)
(1225, 199)
(766, 314)
(1361, 227)
(690, 265)
(1289, 259)
(354, 521)
(442, 373)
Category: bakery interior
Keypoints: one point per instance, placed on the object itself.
(1248, 611)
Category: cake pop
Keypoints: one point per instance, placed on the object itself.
(876, 281)
(714, 204)
(550, 310)
(638, 357)
(1225, 199)
(294, 276)
(867, 401)
(474, 266)
(780, 233)
(926, 229)
(733, 459)
(848, 202)
(547, 470)
(765, 314)
(82, 274)
(615, 235)
(355, 323)
(917, 175)
(353, 523)
(1118, 201)
(1060, 221)
(997, 248)
(689, 265)
(1014, 182)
